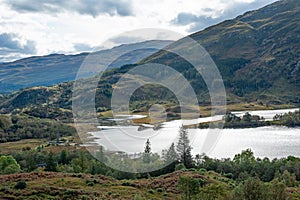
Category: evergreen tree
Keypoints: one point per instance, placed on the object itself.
(100, 154)
(170, 158)
(50, 163)
(184, 148)
(64, 157)
(170, 155)
(147, 152)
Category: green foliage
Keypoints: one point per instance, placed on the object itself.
(49, 112)
(288, 179)
(291, 119)
(180, 166)
(151, 191)
(64, 157)
(184, 148)
(8, 165)
(170, 155)
(51, 163)
(21, 185)
(246, 121)
(277, 190)
(253, 188)
(213, 191)
(147, 152)
(5, 123)
(24, 127)
(189, 187)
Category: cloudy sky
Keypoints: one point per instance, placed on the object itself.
(39, 27)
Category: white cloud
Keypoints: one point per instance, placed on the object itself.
(57, 26)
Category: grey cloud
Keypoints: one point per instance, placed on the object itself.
(203, 21)
(11, 48)
(81, 47)
(9, 43)
(126, 39)
(198, 22)
(88, 7)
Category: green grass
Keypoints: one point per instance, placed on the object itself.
(10, 147)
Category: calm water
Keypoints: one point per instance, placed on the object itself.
(264, 141)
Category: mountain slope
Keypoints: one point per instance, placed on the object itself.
(257, 53)
(57, 68)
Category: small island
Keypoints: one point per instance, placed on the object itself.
(231, 120)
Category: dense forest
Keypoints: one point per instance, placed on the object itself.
(17, 127)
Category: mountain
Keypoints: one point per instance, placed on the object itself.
(56, 68)
(257, 53)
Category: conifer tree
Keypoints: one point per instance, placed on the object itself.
(147, 152)
(184, 149)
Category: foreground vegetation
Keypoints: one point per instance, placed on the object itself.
(70, 172)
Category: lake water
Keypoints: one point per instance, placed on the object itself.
(264, 141)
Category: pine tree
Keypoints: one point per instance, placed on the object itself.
(170, 155)
(64, 157)
(184, 149)
(51, 163)
(100, 154)
(147, 152)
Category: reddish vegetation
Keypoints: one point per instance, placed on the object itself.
(35, 176)
(167, 182)
(77, 186)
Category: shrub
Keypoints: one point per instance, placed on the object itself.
(229, 175)
(20, 185)
(151, 191)
(159, 190)
(180, 167)
(128, 184)
(90, 184)
(202, 170)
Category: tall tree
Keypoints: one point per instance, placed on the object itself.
(184, 149)
(170, 158)
(64, 157)
(51, 163)
(170, 155)
(147, 152)
(100, 154)
(189, 187)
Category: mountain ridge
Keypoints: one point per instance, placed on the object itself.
(57, 68)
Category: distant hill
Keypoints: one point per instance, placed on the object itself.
(56, 68)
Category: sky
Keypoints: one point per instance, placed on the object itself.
(41, 27)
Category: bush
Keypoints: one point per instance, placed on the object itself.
(151, 191)
(229, 175)
(90, 184)
(180, 167)
(159, 190)
(21, 185)
(202, 170)
(128, 184)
